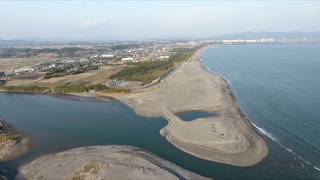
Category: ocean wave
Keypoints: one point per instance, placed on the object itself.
(208, 69)
(226, 79)
(265, 132)
(271, 136)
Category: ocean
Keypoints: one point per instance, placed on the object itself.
(277, 86)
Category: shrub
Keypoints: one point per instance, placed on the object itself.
(35, 89)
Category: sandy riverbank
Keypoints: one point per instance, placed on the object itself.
(227, 138)
(12, 142)
(104, 162)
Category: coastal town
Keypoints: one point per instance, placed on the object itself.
(64, 59)
(80, 59)
(47, 63)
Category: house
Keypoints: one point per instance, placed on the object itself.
(107, 55)
(128, 59)
(163, 57)
(23, 70)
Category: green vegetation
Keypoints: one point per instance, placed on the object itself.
(81, 88)
(104, 89)
(65, 89)
(31, 89)
(9, 137)
(124, 46)
(183, 54)
(55, 73)
(29, 52)
(70, 89)
(93, 168)
(146, 72)
(69, 69)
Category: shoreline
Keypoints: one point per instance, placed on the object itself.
(236, 141)
(13, 143)
(245, 147)
(243, 114)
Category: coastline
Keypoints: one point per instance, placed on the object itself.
(234, 141)
(243, 114)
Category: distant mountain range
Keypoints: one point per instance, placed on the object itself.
(291, 35)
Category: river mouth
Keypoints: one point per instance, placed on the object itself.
(58, 124)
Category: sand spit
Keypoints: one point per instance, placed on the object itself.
(104, 162)
(12, 143)
(227, 138)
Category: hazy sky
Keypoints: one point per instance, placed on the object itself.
(112, 20)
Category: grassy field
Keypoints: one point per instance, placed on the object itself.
(78, 83)
(31, 89)
(144, 71)
(9, 64)
(65, 89)
(82, 88)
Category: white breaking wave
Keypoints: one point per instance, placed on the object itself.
(208, 69)
(271, 136)
(229, 82)
(266, 133)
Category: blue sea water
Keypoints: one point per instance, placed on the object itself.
(277, 86)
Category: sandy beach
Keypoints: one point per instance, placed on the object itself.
(104, 162)
(228, 138)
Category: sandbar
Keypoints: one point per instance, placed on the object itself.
(104, 162)
(227, 138)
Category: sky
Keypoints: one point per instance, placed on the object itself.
(141, 20)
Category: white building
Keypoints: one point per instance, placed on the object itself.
(52, 66)
(107, 55)
(251, 41)
(163, 57)
(23, 70)
(232, 41)
(128, 59)
(267, 40)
